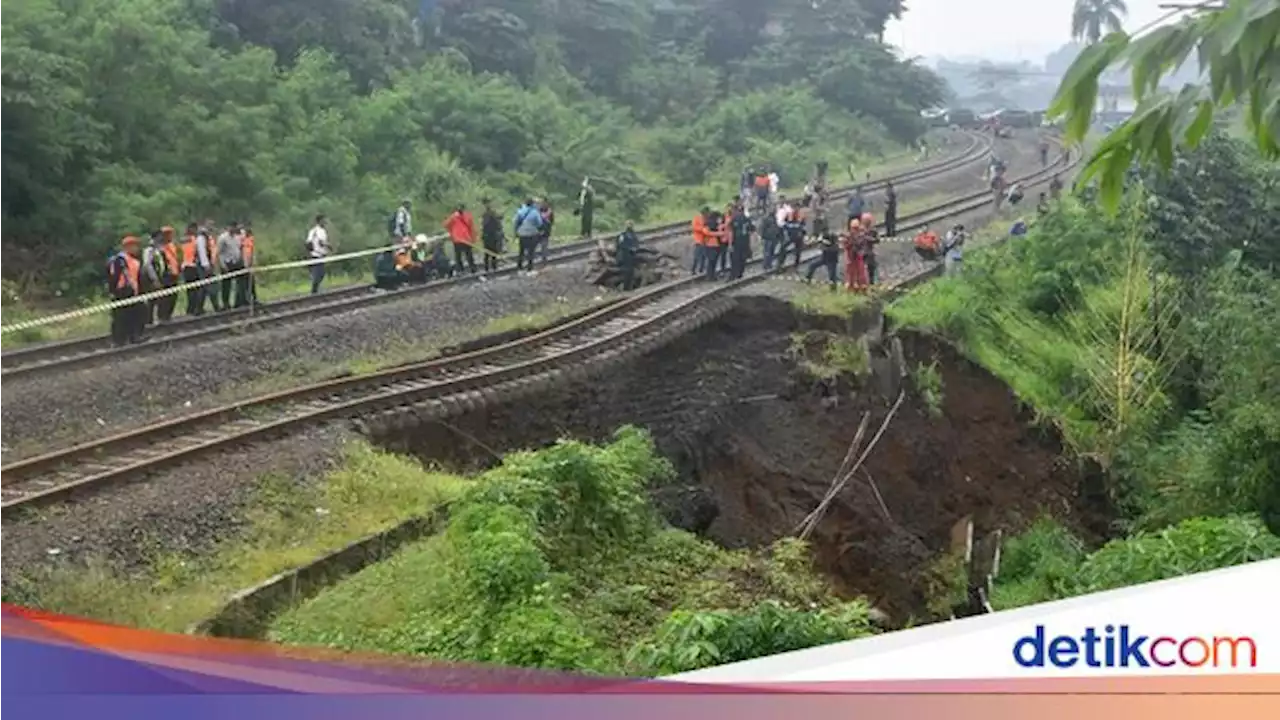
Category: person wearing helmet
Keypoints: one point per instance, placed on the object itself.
(124, 278)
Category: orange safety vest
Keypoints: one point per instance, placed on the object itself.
(128, 280)
(762, 181)
(190, 258)
(246, 248)
(700, 230)
(170, 253)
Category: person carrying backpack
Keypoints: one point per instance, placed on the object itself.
(830, 258)
(317, 249)
(124, 281)
(528, 227)
(544, 235)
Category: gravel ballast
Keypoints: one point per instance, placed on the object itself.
(44, 412)
(192, 507)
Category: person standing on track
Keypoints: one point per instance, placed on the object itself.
(712, 238)
(857, 204)
(152, 270)
(528, 228)
(830, 258)
(628, 244)
(792, 238)
(230, 261)
(783, 211)
(195, 267)
(701, 233)
(461, 227)
(770, 237)
(731, 211)
(762, 190)
(586, 207)
(318, 250)
(855, 265)
(1044, 153)
(890, 210)
(741, 228)
(871, 240)
(164, 260)
(491, 236)
(209, 239)
(248, 244)
(124, 271)
(548, 226)
(953, 246)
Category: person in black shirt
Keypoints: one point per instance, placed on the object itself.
(793, 237)
(627, 245)
(491, 236)
(771, 236)
(741, 228)
(890, 210)
(830, 258)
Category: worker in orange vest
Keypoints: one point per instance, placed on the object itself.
(195, 266)
(124, 278)
(162, 267)
(246, 254)
(701, 232)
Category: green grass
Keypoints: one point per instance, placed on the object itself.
(928, 382)
(820, 300)
(830, 355)
(556, 559)
(287, 526)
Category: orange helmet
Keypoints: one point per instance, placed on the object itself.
(129, 241)
(867, 219)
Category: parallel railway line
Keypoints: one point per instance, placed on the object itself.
(70, 354)
(432, 390)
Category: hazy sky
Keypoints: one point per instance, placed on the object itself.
(1029, 29)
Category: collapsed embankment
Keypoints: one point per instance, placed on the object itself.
(757, 416)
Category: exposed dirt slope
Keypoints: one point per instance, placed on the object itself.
(757, 443)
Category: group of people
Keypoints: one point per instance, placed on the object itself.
(418, 259)
(166, 262)
(723, 239)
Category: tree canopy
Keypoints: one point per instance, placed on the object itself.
(121, 115)
(1238, 51)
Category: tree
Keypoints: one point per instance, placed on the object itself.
(1237, 47)
(1090, 17)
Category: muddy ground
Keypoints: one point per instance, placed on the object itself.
(757, 441)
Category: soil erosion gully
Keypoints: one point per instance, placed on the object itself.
(69, 354)
(432, 390)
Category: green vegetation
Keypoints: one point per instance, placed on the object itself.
(1148, 338)
(128, 114)
(556, 559)
(286, 526)
(830, 355)
(928, 382)
(820, 300)
(1235, 47)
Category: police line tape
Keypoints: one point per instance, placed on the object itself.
(183, 287)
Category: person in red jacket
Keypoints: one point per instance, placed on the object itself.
(855, 254)
(462, 231)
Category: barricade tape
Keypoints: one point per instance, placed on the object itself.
(217, 278)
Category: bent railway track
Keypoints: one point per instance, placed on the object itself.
(70, 354)
(434, 389)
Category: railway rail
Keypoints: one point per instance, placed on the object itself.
(434, 389)
(70, 354)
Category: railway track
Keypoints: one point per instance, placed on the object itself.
(434, 389)
(70, 354)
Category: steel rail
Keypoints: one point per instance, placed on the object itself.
(69, 354)
(435, 388)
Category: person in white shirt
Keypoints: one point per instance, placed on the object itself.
(783, 211)
(317, 249)
(773, 183)
(404, 221)
(953, 246)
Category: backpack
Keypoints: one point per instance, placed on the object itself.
(529, 222)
